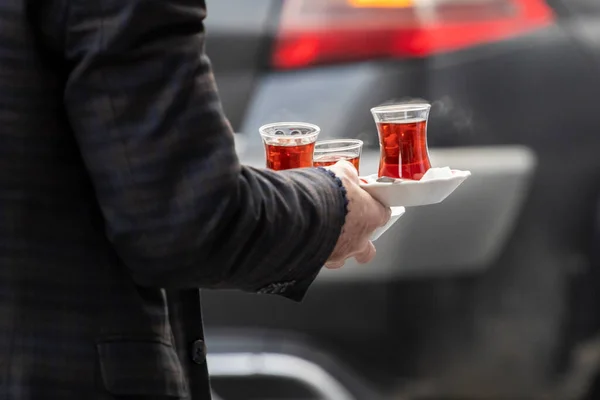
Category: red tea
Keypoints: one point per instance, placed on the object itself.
(288, 157)
(403, 149)
(330, 159)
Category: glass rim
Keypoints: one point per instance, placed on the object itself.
(352, 145)
(315, 128)
(401, 107)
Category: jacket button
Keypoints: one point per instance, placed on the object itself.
(199, 352)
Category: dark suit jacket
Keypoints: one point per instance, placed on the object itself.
(121, 194)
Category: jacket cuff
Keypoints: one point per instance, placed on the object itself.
(296, 289)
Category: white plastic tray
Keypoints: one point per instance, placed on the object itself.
(408, 193)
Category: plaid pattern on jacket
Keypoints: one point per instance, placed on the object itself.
(121, 195)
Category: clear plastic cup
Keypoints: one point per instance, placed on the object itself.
(328, 152)
(402, 130)
(289, 145)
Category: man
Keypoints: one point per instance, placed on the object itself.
(121, 195)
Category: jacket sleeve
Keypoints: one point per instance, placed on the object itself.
(179, 208)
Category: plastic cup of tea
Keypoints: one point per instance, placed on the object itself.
(289, 145)
(402, 130)
(328, 152)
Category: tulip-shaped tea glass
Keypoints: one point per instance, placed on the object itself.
(328, 152)
(402, 130)
(289, 145)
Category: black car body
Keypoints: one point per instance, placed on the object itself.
(489, 294)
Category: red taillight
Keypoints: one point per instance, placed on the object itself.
(315, 32)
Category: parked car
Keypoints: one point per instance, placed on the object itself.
(490, 294)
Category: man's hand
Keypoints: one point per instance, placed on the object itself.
(365, 214)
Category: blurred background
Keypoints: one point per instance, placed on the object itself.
(492, 294)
